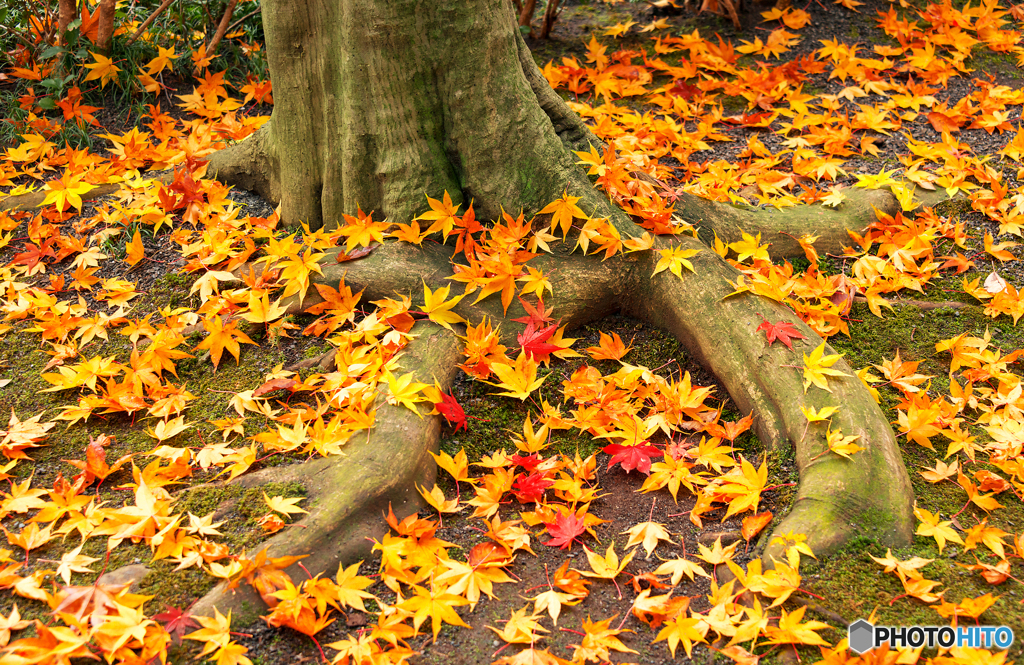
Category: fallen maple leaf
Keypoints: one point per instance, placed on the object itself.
(608, 566)
(930, 526)
(533, 341)
(783, 331)
(753, 524)
(530, 488)
(452, 411)
(176, 622)
(817, 366)
(608, 348)
(631, 457)
(283, 505)
(436, 499)
(649, 534)
(565, 529)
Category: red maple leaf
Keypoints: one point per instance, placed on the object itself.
(683, 89)
(34, 254)
(631, 457)
(564, 530)
(177, 622)
(528, 462)
(452, 411)
(465, 227)
(192, 195)
(185, 185)
(780, 330)
(357, 253)
(530, 489)
(748, 119)
(534, 341)
(535, 315)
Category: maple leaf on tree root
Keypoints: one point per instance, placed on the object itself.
(376, 117)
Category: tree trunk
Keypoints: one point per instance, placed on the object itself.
(66, 13)
(379, 103)
(526, 15)
(550, 16)
(105, 25)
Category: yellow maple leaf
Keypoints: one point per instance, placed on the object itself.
(436, 499)
(931, 527)
(519, 378)
(649, 534)
(438, 308)
(405, 391)
(103, 69)
(791, 631)
(750, 247)
(457, 467)
(619, 29)
(66, 191)
(685, 630)
(161, 61)
(261, 310)
(817, 366)
(283, 505)
(443, 214)
(437, 605)
(167, 429)
(674, 259)
(814, 415)
(608, 566)
(223, 336)
(563, 211)
(881, 179)
(833, 199)
(840, 445)
(717, 554)
(135, 252)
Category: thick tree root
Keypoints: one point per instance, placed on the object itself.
(838, 500)
(348, 495)
(249, 165)
(923, 304)
(868, 495)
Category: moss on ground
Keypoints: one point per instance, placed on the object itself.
(850, 583)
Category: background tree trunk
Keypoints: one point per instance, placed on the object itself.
(66, 13)
(105, 25)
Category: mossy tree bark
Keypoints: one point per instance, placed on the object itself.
(380, 102)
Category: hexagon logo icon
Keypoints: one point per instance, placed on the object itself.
(861, 635)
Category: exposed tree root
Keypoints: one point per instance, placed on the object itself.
(349, 494)
(35, 199)
(324, 361)
(868, 495)
(838, 499)
(821, 611)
